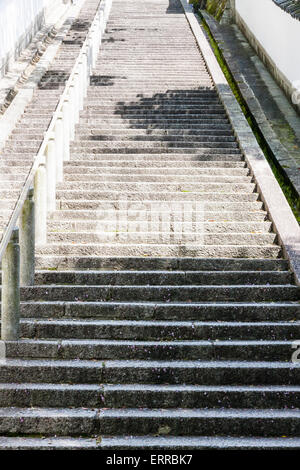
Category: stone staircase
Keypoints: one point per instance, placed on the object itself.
(163, 312)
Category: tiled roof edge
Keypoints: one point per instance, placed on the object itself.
(290, 6)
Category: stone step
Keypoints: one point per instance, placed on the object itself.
(162, 311)
(156, 102)
(157, 206)
(260, 350)
(78, 421)
(81, 218)
(182, 293)
(141, 330)
(144, 442)
(14, 166)
(90, 134)
(167, 222)
(137, 164)
(154, 178)
(150, 372)
(138, 395)
(146, 147)
(205, 131)
(236, 422)
(116, 123)
(132, 234)
(202, 152)
(248, 187)
(93, 277)
(203, 158)
(52, 421)
(84, 200)
(135, 108)
(146, 83)
(139, 114)
(7, 204)
(99, 139)
(162, 264)
(184, 195)
(162, 250)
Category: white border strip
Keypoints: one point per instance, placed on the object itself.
(285, 224)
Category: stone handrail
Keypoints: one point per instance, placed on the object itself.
(27, 225)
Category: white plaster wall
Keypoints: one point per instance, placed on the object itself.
(16, 17)
(19, 21)
(277, 32)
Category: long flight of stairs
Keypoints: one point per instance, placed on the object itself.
(163, 313)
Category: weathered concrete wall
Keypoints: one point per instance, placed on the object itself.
(19, 22)
(275, 36)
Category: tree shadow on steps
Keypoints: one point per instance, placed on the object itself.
(169, 117)
(104, 80)
(169, 110)
(53, 79)
(174, 7)
(112, 39)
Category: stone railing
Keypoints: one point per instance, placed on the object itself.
(28, 223)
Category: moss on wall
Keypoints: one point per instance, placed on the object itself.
(214, 7)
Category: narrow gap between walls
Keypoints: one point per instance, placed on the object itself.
(285, 184)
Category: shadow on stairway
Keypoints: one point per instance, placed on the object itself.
(104, 80)
(174, 7)
(178, 102)
(53, 79)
